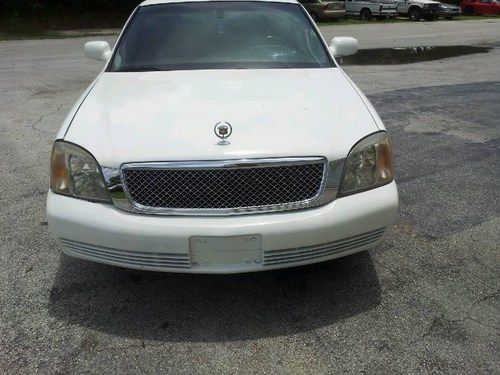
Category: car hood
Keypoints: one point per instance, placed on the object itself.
(170, 116)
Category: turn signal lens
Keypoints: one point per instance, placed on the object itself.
(75, 172)
(370, 164)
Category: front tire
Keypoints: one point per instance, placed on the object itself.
(414, 14)
(365, 14)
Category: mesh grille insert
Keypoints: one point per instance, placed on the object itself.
(220, 188)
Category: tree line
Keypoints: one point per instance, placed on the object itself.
(23, 15)
(32, 7)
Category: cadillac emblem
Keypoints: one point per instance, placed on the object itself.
(223, 130)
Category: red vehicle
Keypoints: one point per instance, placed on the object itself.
(480, 6)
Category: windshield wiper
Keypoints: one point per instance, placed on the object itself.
(139, 68)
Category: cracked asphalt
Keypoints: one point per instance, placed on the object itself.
(424, 302)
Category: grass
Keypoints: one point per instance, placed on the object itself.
(356, 21)
(39, 34)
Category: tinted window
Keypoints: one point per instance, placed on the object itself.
(220, 35)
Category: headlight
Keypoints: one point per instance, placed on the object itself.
(75, 172)
(370, 164)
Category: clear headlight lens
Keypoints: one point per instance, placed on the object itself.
(369, 164)
(75, 172)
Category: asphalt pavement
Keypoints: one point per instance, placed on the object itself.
(424, 302)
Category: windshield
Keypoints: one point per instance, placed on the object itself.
(219, 35)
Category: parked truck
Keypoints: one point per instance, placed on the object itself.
(368, 9)
(418, 9)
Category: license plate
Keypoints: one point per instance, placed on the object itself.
(217, 250)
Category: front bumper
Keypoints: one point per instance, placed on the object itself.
(103, 233)
(430, 12)
(333, 13)
(450, 13)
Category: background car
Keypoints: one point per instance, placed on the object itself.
(418, 9)
(448, 11)
(321, 10)
(480, 7)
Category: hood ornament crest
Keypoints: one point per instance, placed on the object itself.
(223, 130)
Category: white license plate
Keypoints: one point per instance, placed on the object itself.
(218, 250)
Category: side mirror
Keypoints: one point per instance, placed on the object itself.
(97, 50)
(343, 46)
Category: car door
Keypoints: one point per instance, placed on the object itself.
(485, 6)
(360, 4)
(403, 6)
(351, 7)
(481, 6)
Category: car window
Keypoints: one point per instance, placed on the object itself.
(220, 35)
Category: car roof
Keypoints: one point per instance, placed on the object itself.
(153, 2)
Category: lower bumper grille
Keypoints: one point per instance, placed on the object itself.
(125, 257)
(433, 7)
(182, 262)
(300, 254)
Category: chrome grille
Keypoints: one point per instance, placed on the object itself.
(252, 184)
(301, 254)
(128, 258)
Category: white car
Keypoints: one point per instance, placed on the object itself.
(221, 137)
